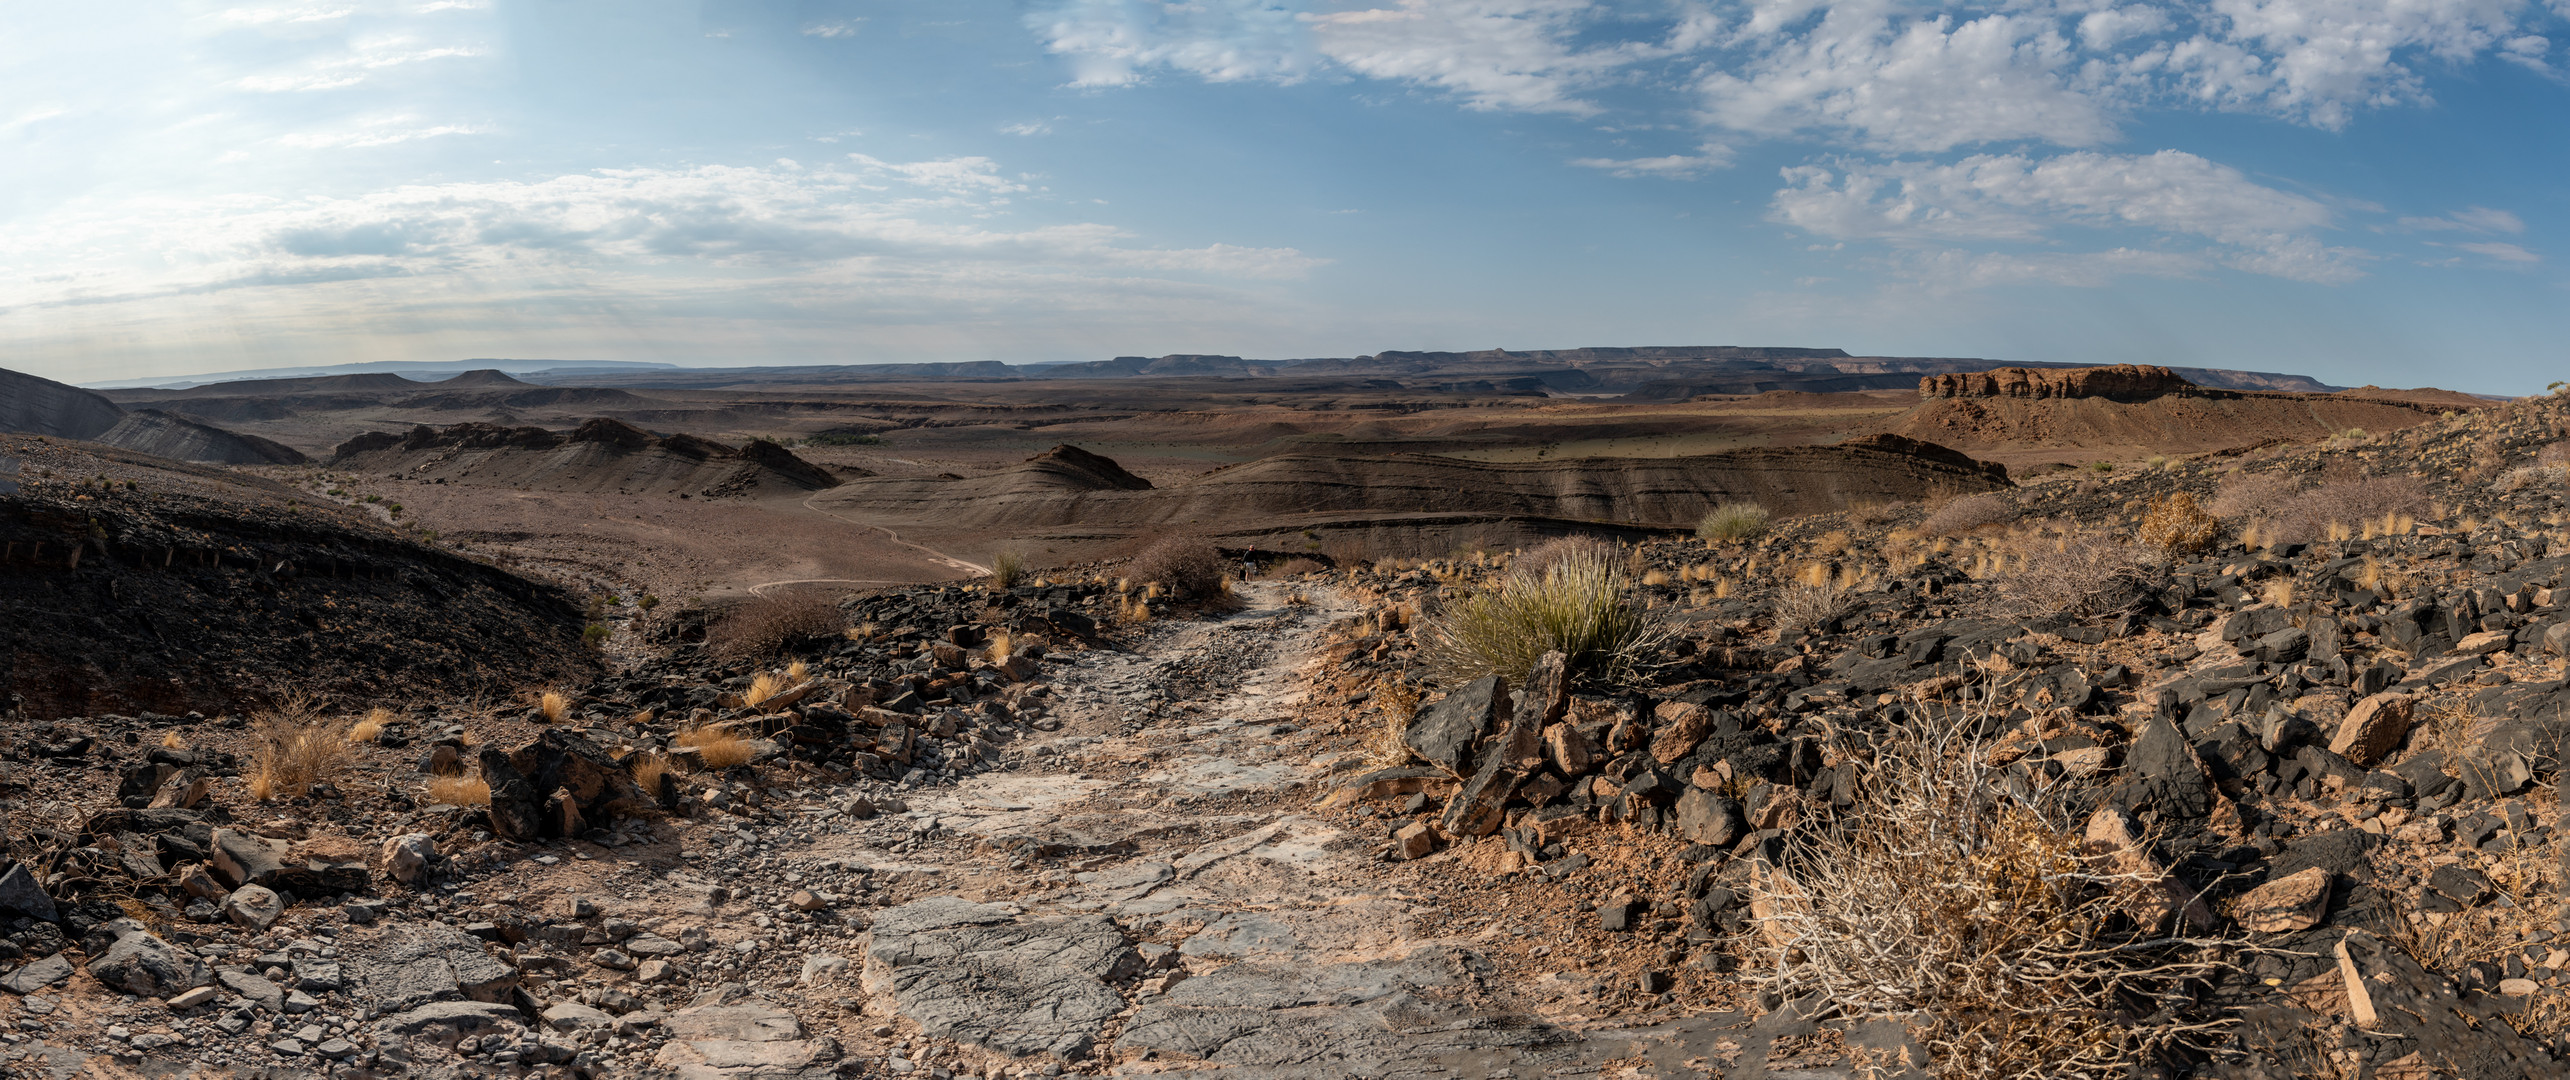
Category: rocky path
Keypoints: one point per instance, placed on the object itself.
(1149, 890)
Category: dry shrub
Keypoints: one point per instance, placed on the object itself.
(172, 740)
(2247, 495)
(366, 730)
(1975, 915)
(294, 747)
(1871, 515)
(554, 704)
(1534, 562)
(1000, 646)
(1399, 701)
(2078, 575)
(719, 748)
(2534, 476)
(2177, 526)
(2343, 503)
(1187, 566)
(458, 791)
(1969, 513)
(1804, 605)
(1578, 606)
(767, 626)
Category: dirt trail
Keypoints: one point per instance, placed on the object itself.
(1149, 886)
(973, 568)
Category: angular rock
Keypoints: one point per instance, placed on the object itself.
(1568, 751)
(146, 966)
(971, 972)
(2373, 728)
(1416, 840)
(1444, 734)
(1706, 818)
(823, 968)
(37, 975)
(1480, 808)
(241, 858)
(560, 781)
(2287, 904)
(406, 857)
(2166, 774)
(1682, 726)
(21, 895)
(455, 1017)
(573, 1016)
(253, 987)
(2484, 643)
(2146, 890)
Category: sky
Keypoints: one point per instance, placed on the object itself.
(2368, 191)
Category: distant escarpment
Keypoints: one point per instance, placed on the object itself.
(1278, 499)
(2026, 415)
(600, 455)
(2118, 382)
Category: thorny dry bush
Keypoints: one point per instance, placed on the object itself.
(1188, 566)
(2347, 503)
(764, 626)
(2079, 574)
(2177, 526)
(1969, 513)
(1534, 561)
(2247, 495)
(1974, 915)
(1804, 605)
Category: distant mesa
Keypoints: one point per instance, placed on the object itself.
(1079, 468)
(2117, 382)
(37, 406)
(601, 455)
(482, 377)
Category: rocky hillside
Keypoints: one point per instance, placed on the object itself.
(34, 406)
(133, 584)
(600, 455)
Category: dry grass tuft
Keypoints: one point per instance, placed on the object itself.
(294, 747)
(1008, 568)
(764, 685)
(1807, 604)
(648, 770)
(1534, 561)
(458, 791)
(997, 649)
(1732, 522)
(719, 748)
(2246, 495)
(366, 730)
(1975, 915)
(2177, 526)
(172, 740)
(554, 704)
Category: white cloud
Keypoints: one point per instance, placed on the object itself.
(1912, 84)
(1113, 42)
(1493, 54)
(1707, 158)
(918, 221)
(2016, 199)
(263, 16)
(840, 29)
(387, 131)
(1031, 127)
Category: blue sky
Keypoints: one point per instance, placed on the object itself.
(2365, 190)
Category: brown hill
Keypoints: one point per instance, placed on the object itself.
(601, 455)
(2022, 415)
(38, 406)
(1281, 496)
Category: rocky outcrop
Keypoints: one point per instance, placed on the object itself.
(37, 406)
(2119, 382)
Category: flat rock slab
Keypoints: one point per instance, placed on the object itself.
(1370, 1018)
(50, 971)
(976, 973)
(410, 965)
